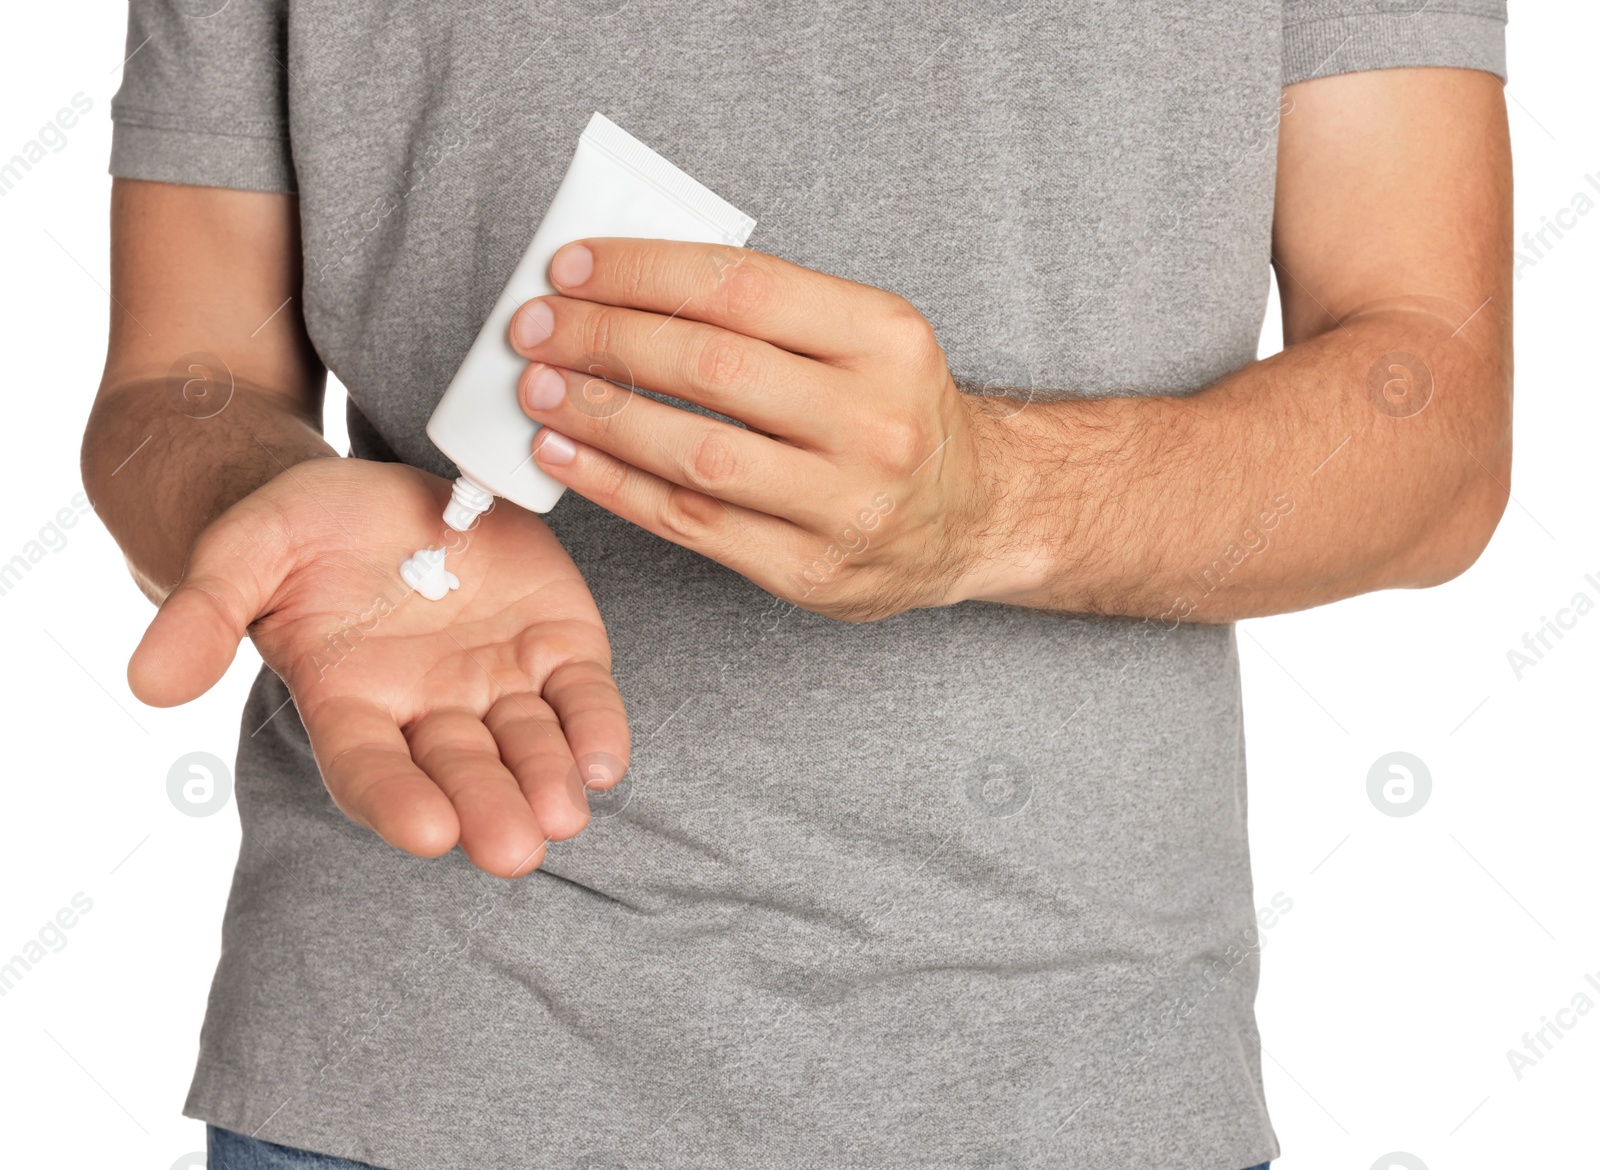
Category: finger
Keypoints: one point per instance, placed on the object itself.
(191, 641)
(799, 309)
(372, 778)
(593, 719)
(499, 832)
(533, 747)
(706, 454)
(741, 377)
(763, 548)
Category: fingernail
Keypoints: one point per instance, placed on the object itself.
(556, 449)
(533, 323)
(571, 266)
(543, 388)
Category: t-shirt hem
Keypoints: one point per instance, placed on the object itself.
(202, 158)
(210, 1101)
(1325, 46)
(233, 1112)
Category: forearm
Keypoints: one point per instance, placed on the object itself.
(1283, 486)
(212, 275)
(157, 477)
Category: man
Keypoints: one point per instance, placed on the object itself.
(961, 880)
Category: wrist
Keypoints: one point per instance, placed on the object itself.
(1072, 494)
(1014, 536)
(159, 477)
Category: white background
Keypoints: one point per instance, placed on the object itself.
(1419, 949)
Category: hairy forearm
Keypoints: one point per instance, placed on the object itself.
(1293, 482)
(212, 275)
(158, 476)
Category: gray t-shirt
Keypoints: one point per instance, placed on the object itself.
(967, 887)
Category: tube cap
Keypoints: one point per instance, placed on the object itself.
(468, 501)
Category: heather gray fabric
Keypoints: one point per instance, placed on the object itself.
(968, 887)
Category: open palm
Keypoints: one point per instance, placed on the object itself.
(478, 719)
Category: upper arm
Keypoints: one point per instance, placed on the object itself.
(1393, 191)
(203, 268)
(213, 271)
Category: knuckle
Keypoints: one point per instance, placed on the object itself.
(720, 363)
(610, 478)
(748, 289)
(689, 515)
(909, 336)
(631, 268)
(713, 462)
(598, 330)
(899, 443)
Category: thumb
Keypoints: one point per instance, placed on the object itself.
(192, 639)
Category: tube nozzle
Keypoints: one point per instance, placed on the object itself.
(468, 501)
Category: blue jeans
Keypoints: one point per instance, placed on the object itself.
(226, 1150)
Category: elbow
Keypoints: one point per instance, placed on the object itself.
(1477, 439)
(88, 454)
(1467, 520)
(1468, 533)
(88, 463)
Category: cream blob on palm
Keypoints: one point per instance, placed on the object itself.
(424, 571)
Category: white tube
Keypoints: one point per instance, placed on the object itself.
(614, 186)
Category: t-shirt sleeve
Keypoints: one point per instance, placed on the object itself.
(204, 95)
(1323, 37)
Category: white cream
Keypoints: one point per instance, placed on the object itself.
(424, 571)
(614, 186)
